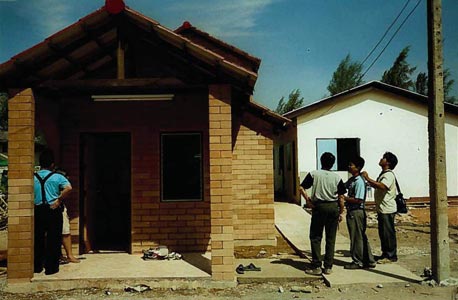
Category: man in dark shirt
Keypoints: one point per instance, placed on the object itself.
(326, 202)
(360, 249)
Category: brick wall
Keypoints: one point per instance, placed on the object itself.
(20, 185)
(220, 135)
(253, 189)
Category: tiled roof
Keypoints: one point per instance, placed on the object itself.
(91, 42)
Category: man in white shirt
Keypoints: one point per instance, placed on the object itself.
(385, 194)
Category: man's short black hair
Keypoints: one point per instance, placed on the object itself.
(327, 160)
(358, 161)
(391, 159)
(46, 158)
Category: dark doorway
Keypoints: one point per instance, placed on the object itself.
(105, 192)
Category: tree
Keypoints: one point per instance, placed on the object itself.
(3, 111)
(294, 101)
(448, 84)
(421, 85)
(400, 72)
(347, 75)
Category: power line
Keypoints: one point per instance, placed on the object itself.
(392, 37)
(386, 31)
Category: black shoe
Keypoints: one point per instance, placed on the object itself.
(251, 267)
(50, 272)
(314, 271)
(393, 259)
(370, 266)
(352, 266)
(379, 257)
(240, 270)
(37, 270)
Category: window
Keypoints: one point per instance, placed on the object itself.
(181, 167)
(343, 150)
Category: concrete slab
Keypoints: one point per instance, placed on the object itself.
(294, 223)
(117, 270)
(125, 266)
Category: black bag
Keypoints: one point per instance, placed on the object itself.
(400, 201)
(401, 204)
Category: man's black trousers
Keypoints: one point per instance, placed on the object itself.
(48, 239)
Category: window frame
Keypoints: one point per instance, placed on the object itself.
(336, 164)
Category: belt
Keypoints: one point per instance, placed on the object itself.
(324, 202)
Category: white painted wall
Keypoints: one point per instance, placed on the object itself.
(383, 122)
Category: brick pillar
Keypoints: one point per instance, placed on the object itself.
(222, 228)
(21, 132)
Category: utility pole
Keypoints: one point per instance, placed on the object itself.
(440, 249)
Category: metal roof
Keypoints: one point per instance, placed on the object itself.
(367, 86)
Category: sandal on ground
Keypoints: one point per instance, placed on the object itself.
(63, 261)
(251, 267)
(240, 269)
(73, 260)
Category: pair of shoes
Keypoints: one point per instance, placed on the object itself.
(251, 267)
(327, 271)
(353, 266)
(314, 271)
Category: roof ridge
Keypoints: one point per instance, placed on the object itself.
(188, 26)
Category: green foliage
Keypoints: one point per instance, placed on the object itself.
(347, 75)
(294, 101)
(400, 72)
(3, 111)
(421, 84)
(448, 84)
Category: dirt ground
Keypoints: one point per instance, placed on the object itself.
(413, 252)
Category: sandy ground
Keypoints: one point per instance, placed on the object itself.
(414, 254)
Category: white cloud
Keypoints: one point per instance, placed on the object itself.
(55, 15)
(225, 18)
(48, 16)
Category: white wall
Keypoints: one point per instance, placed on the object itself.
(383, 122)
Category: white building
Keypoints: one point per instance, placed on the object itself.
(369, 120)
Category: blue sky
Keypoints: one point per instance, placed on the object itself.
(300, 42)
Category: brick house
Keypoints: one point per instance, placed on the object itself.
(156, 127)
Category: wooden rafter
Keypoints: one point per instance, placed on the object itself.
(33, 68)
(60, 53)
